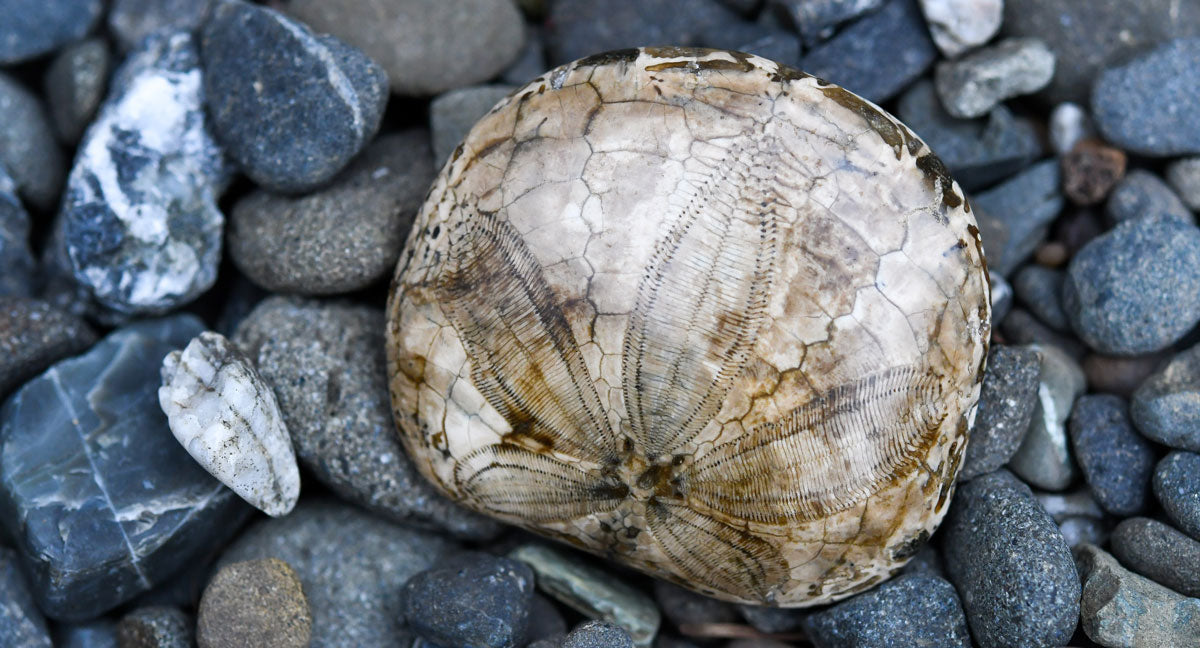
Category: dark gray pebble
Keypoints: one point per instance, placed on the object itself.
(28, 148)
(911, 610)
(156, 627)
(1151, 105)
(1021, 327)
(1166, 407)
(31, 28)
(100, 633)
(21, 622)
(1006, 405)
(1120, 375)
(767, 41)
(1159, 552)
(472, 600)
(597, 634)
(773, 620)
(817, 20)
(531, 62)
(35, 335)
(1015, 216)
(16, 259)
(545, 621)
(75, 84)
(579, 28)
(1040, 289)
(1116, 461)
(1177, 487)
(452, 114)
(1143, 193)
(685, 607)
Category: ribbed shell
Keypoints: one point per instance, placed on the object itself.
(702, 313)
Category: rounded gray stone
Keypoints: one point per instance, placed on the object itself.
(1006, 405)
(130, 21)
(1177, 487)
(1159, 552)
(31, 28)
(75, 84)
(28, 149)
(1184, 176)
(1166, 406)
(972, 85)
(1115, 460)
(1151, 105)
(156, 627)
(1142, 193)
(912, 610)
(35, 335)
(452, 114)
(597, 634)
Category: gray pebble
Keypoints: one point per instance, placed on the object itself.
(1142, 193)
(971, 86)
(1044, 456)
(579, 28)
(1015, 216)
(1006, 405)
(16, 259)
(1010, 564)
(254, 603)
(531, 62)
(1136, 289)
(21, 622)
(773, 620)
(1040, 289)
(597, 634)
(156, 627)
(339, 238)
(1159, 552)
(1115, 460)
(34, 27)
(545, 621)
(958, 26)
(1002, 298)
(1177, 487)
(1021, 327)
(817, 20)
(758, 38)
(75, 84)
(911, 610)
(472, 599)
(927, 561)
(684, 607)
(1166, 407)
(452, 114)
(131, 21)
(28, 149)
(1184, 176)
(1120, 608)
(35, 335)
(1151, 105)
(1078, 503)
(1069, 125)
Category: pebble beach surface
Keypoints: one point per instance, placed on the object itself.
(169, 167)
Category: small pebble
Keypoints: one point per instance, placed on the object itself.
(1090, 170)
(1116, 461)
(1159, 552)
(75, 84)
(256, 603)
(579, 28)
(1184, 177)
(452, 114)
(817, 20)
(472, 599)
(910, 610)
(1142, 193)
(1076, 229)
(426, 48)
(28, 150)
(1021, 327)
(1151, 105)
(1177, 487)
(1010, 564)
(1051, 254)
(1069, 124)
(973, 85)
(1006, 406)
(1044, 457)
(35, 335)
(21, 622)
(1039, 289)
(156, 627)
(958, 26)
(291, 107)
(1016, 215)
(1120, 608)
(131, 21)
(878, 55)
(1135, 289)
(1166, 407)
(597, 634)
(34, 27)
(545, 621)
(16, 259)
(1120, 375)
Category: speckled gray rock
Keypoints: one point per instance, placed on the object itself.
(326, 364)
(254, 603)
(1166, 407)
(1010, 564)
(291, 107)
(140, 221)
(472, 600)
(1184, 176)
(1159, 552)
(1115, 460)
(597, 634)
(816, 20)
(339, 238)
(1044, 456)
(1177, 487)
(1120, 608)
(21, 623)
(33, 27)
(28, 149)
(958, 26)
(1069, 124)
(452, 114)
(977, 152)
(156, 627)
(579, 28)
(912, 610)
(352, 567)
(35, 335)
(973, 85)
(16, 259)
(1136, 289)
(1151, 105)
(1142, 193)
(593, 592)
(75, 84)
(130, 21)
(927, 561)
(1015, 215)
(1006, 406)
(425, 47)
(878, 55)
(1040, 290)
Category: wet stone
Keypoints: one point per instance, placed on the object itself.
(21, 622)
(75, 84)
(958, 26)
(1159, 552)
(597, 634)
(1136, 289)
(817, 20)
(254, 603)
(1039, 288)
(1016, 215)
(16, 259)
(140, 222)
(1006, 405)
(973, 85)
(472, 599)
(28, 150)
(1120, 608)
(1166, 407)
(911, 610)
(35, 335)
(878, 55)
(34, 27)
(290, 106)
(579, 28)
(1115, 460)
(1090, 170)
(131, 21)
(1177, 487)
(1184, 177)
(156, 627)
(1044, 457)
(1142, 193)
(85, 452)
(1069, 124)
(340, 238)
(1010, 564)
(1151, 105)
(452, 114)
(326, 364)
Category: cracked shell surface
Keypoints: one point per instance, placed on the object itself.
(698, 312)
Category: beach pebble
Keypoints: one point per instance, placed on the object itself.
(597, 634)
(1116, 461)
(1177, 487)
(1044, 456)
(1142, 193)
(1120, 608)
(1184, 177)
(35, 335)
(452, 114)
(1151, 105)
(1166, 407)
(21, 622)
(958, 26)
(1069, 124)
(1090, 170)
(34, 27)
(1015, 216)
(131, 21)
(579, 28)
(156, 627)
(1006, 405)
(472, 599)
(910, 610)
(254, 603)
(1039, 289)
(973, 85)
(16, 259)
(1159, 552)
(28, 149)
(75, 83)
(817, 20)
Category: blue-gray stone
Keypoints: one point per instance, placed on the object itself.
(1177, 487)
(1007, 402)
(769, 42)
(21, 623)
(1010, 564)
(579, 28)
(140, 222)
(472, 600)
(156, 627)
(816, 20)
(1159, 552)
(545, 621)
(878, 55)
(16, 259)
(92, 634)
(352, 567)
(1120, 608)
(31, 28)
(531, 62)
(1151, 105)
(131, 21)
(451, 116)
(102, 500)
(1166, 406)
(1135, 289)
(1143, 193)
(1040, 289)
(35, 335)
(1044, 457)
(597, 634)
(28, 149)
(75, 84)
(1116, 461)
(291, 107)
(1016, 215)
(911, 610)
(978, 152)
(1021, 327)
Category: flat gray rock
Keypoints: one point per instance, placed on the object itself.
(75, 84)
(1120, 608)
(1151, 104)
(33, 27)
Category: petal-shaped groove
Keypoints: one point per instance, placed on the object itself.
(531, 486)
(711, 553)
(826, 455)
(524, 358)
(699, 307)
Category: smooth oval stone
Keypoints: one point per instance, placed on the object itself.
(31, 28)
(1166, 407)
(1151, 105)
(1160, 552)
(1177, 486)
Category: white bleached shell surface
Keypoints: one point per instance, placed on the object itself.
(226, 417)
(701, 313)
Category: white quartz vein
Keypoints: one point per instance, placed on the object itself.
(341, 84)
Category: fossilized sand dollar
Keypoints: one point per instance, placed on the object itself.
(699, 312)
